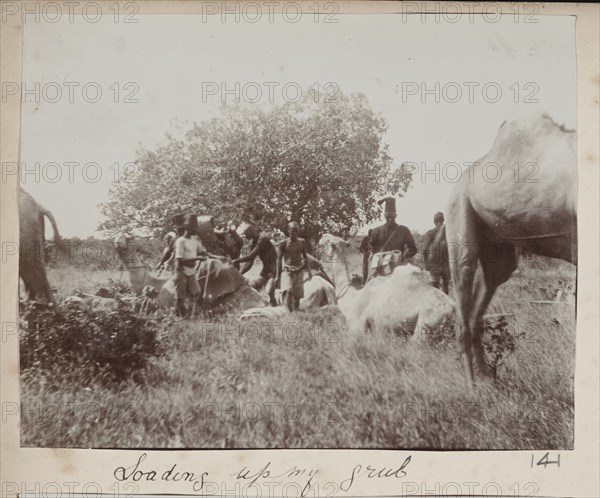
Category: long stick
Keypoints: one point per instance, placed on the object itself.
(206, 281)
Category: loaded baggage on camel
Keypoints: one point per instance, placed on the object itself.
(383, 263)
(390, 244)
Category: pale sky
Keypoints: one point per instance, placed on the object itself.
(169, 57)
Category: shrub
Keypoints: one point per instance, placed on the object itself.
(119, 287)
(441, 337)
(85, 343)
(498, 342)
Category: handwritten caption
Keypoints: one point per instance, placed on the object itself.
(305, 478)
(136, 473)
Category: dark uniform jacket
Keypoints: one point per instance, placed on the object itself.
(435, 250)
(392, 239)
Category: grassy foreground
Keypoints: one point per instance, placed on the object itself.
(308, 384)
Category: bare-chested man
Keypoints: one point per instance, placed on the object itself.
(291, 262)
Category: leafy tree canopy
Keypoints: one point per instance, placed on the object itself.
(319, 161)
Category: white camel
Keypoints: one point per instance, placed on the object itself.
(402, 302)
(318, 293)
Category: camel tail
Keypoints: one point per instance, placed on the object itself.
(50, 216)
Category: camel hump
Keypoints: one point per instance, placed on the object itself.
(526, 185)
(532, 126)
(409, 273)
(534, 120)
(528, 150)
(407, 269)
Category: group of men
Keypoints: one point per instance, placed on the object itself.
(391, 244)
(230, 243)
(283, 265)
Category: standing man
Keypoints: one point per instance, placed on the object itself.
(291, 261)
(435, 254)
(264, 249)
(167, 260)
(169, 250)
(188, 251)
(364, 250)
(232, 242)
(391, 236)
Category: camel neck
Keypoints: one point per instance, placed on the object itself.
(340, 270)
(345, 291)
(131, 260)
(138, 273)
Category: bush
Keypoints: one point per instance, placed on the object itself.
(119, 288)
(85, 343)
(498, 342)
(441, 337)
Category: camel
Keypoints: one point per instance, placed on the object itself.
(221, 283)
(91, 302)
(401, 303)
(31, 247)
(530, 202)
(318, 293)
(146, 303)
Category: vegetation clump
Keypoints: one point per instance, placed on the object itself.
(90, 344)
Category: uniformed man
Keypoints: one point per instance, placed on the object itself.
(435, 254)
(391, 236)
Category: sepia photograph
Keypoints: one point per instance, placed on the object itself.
(302, 229)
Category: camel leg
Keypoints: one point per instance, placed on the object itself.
(463, 247)
(181, 310)
(482, 294)
(289, 300)
(496, 269)
(36, 282)
(445, 281)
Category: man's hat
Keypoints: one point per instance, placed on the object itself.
(438, 217)
(178, 220)
(190, 221)
(390, 205)
(185, 220)
(244, 228)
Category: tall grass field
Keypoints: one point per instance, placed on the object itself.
(306, 383)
